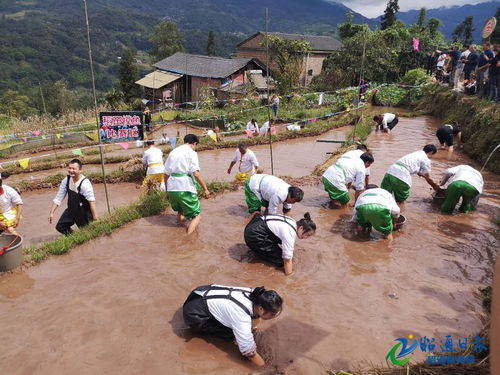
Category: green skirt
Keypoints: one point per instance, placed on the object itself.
(335, 193)
(457, 190)
(375, 215)
(394, 185)
(185, 202)
(253, 202)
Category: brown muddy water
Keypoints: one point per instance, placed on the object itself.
(112, 306)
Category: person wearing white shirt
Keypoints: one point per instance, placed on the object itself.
(247, 162)
(264, 190)
(81, 201)
(11, 208)
(346, 172)
(182, 171)
(232, 314)
(153, 160)
(360, 150)
(272, 237)
(397, 180)
(376, 208)
(253, 127)
(463, 182)
(385, 121)
(264, 129)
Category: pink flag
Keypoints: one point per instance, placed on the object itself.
(124, 145)
(249, 133)
(313, 120)
(273, 130)
(36, 133)
(416, 44)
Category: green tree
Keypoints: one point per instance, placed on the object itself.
(288, 55)
(421, 17)
(128, 74)
(468, 30)
(433, 26)
(495, 35)
(13, 104)
(211, 43)
(389, 16)
(458, 33)
(114, 97)
(348, 29)
(166, 41)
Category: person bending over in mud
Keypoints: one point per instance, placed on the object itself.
(376, 208)
(264, 190)
(340, 176)
(385, 122)
(272, 237)
(446, 135)
(397, 180)
(463, 182)
(232, 314)
(182, 175)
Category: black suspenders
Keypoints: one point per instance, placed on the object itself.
(281, 219)
(246, 293)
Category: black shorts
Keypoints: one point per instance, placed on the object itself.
(445, 135)
(263, 242)
(393, 123)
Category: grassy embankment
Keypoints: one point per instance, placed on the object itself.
(479, 119)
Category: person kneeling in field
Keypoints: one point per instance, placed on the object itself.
(232, 314)
(464, 182)
(11, 207)
(272, 237)
(376, 208)
(182, 175)
(264, 190)
(347, 170)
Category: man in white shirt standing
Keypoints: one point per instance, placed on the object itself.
(253, 127)
(464, 182)
(346, 172)
(81, 201)
(11, 207)
(264, 190)
(182, 176)
(386, 122)
(376, 208)
(397, 180)
(247, 162)
(153, 160)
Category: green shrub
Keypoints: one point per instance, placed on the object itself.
(416, 77)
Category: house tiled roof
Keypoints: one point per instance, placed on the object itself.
(201, 66)
(318, 42)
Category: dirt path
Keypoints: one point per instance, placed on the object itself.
(112, 306)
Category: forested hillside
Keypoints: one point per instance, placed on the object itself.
(45, 40)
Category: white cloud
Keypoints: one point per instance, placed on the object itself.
(374, 8)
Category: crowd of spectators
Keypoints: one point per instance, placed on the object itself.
(472, 71)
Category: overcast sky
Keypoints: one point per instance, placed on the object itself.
(374, 8)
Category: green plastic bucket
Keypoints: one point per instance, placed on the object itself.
(12, 251)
